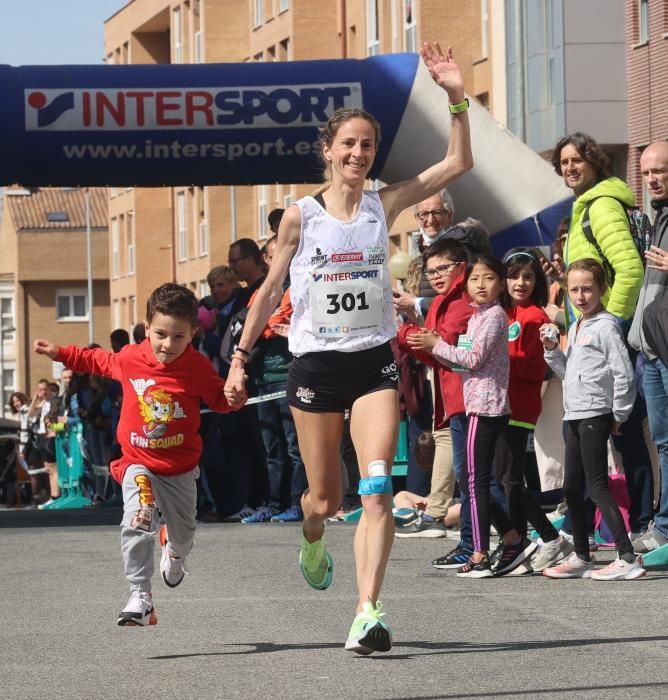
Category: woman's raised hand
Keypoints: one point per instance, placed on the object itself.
(443, 70)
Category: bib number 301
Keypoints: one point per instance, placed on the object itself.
(347, 302)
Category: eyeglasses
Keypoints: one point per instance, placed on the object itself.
(435, 213)
(439, 271)
(234, 261)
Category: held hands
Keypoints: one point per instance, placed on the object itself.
(657, 258)
(424, 339)
(444, 71)
(235, 388)
(44, 347)
(546, 333)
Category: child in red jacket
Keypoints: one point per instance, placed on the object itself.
(163, 381)
(527, 288)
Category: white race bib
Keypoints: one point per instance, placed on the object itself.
(346, 301)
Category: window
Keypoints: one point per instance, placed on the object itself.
(258, 12)
(132, 310)
(373, 43)
(72, 305)
(116, 309)
(288, 199)
(262, 211)
(115, 249)
(7, 317)
(283, 5)
(284, 50)
(8, 386)
(643, 21)
(177, 29)
(182, 226)
(199, 47)
(484, 28)
(204, 223)
(410, 27)
(204, 289)
(131, 242)
(57, 217)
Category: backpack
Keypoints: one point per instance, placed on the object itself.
(640, 228)
(232, 337)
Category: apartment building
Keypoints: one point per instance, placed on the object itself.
(647, 66)
(161, 234)
(44, 277)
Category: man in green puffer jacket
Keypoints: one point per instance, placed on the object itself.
(584, 167)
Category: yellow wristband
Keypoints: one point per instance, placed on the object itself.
(459, 107)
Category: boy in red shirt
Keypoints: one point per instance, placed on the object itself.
(163, 381)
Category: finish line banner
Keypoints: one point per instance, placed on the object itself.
(201, 124)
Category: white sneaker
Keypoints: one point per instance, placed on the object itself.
(171, 568)
(138, 611)
(551, 553)
(42, 506)
(244, 512)
(620, 570)
(572, 567)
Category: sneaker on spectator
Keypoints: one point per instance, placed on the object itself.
(42, 506)
(473, 569)
(651, 540)
(620, 570)
(551, 553)
(368, 632)
(293, 514)
(558, 512)
(244, 512)
(593, 544)
(262, 515)
(524, 569)
(454, 559)
(138, 611)
(171, 568)
(512, 555)
(424, 526)
(316, 563)
(571, 567)
(405, 516)
(496, 554)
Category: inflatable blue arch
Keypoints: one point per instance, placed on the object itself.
(256, 123)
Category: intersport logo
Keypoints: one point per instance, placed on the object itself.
(252, 107)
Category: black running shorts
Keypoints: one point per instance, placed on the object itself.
(331, 381)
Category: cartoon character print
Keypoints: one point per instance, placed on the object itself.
(156, 406)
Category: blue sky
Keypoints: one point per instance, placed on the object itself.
(42, 32)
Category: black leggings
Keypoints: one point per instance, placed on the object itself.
(510, 466)
(587, 467)
(483, 432)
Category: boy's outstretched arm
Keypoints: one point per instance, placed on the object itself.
(44, 347)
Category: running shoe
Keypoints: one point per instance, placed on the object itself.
(496, 554)
(524, 569)
(512, 555)
(368, 632)
(424, 526)
(171, 568)
(649, 541)
(244, 512)
(454, 559)
(316, 563)
(571, 567)
(405, 516)
(480, 569)
(293, 514)
(551, 553)
(593, 544)
(138, 611)
(262, 515)
(620, 570)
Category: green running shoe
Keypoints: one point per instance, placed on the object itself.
(316, 563)
(368, 632)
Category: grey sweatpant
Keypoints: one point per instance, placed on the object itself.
(143, 493)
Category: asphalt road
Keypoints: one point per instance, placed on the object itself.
(245, 624)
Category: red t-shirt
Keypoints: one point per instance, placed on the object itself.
(527, 365)
(160, 417)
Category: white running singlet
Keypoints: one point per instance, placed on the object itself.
(339, 281)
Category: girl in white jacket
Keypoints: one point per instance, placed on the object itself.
(598, 397)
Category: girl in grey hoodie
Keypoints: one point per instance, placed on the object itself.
(599, 393)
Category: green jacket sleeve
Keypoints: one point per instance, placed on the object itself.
(611, 228)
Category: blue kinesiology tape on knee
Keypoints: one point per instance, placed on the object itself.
(375, 485)
(377, 480)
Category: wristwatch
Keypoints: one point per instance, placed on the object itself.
(459, 107)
